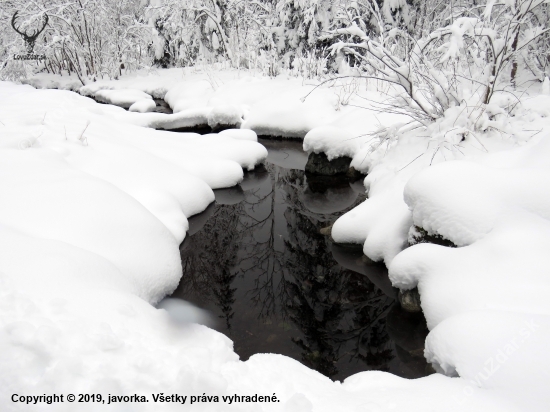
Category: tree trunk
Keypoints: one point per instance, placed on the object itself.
(514, 60)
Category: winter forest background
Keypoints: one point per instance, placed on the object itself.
(427, 48)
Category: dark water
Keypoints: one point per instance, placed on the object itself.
(256, 260)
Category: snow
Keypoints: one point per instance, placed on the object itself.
(40, 177)
(486, 301)
(123, 98)
(143, 106)
(492, 264)
(515, 344)
(380, 224)
(90, 228)
(353, 30)
(95, 198)
(225, 115)
(497, 192)
(333, 141)
(95, 204)
(495, 287)
(154, 178)
(242, 134)
(281, 106)
(183, 313)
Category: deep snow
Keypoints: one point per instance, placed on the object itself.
(91, 222)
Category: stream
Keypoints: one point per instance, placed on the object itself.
(256, 260)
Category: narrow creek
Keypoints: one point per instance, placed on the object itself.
(256, 260)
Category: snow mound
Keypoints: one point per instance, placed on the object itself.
(123, 97)
(487, 301)
(53, 81)
(69, 212)
(506, 346)
(333, 141)
(242, 134)
(143, 106)
(225, 116)
(114, 180)
(449, 210)
(381, 223)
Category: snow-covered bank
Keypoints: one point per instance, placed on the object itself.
(281, 106)
(72, 175)
(486, 191)
(486, 302)
(92, 212)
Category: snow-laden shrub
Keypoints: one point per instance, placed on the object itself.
(430, 49)
(468, 57)
(90, 39)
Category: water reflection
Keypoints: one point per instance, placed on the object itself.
(256, 260)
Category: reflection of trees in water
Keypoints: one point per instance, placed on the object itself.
(260, 259)
(341, 313)
(206, 258)
(272, 239)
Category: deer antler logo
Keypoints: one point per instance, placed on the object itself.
(30, 39)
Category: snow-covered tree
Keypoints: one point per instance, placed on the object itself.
(427, 48)
(429, 72)
(91, 39)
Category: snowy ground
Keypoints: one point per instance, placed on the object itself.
(94, 207)
(284, 106)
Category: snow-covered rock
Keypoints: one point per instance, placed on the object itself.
(242, 134)
(333, 141)
(119, 97)
(143, 106)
